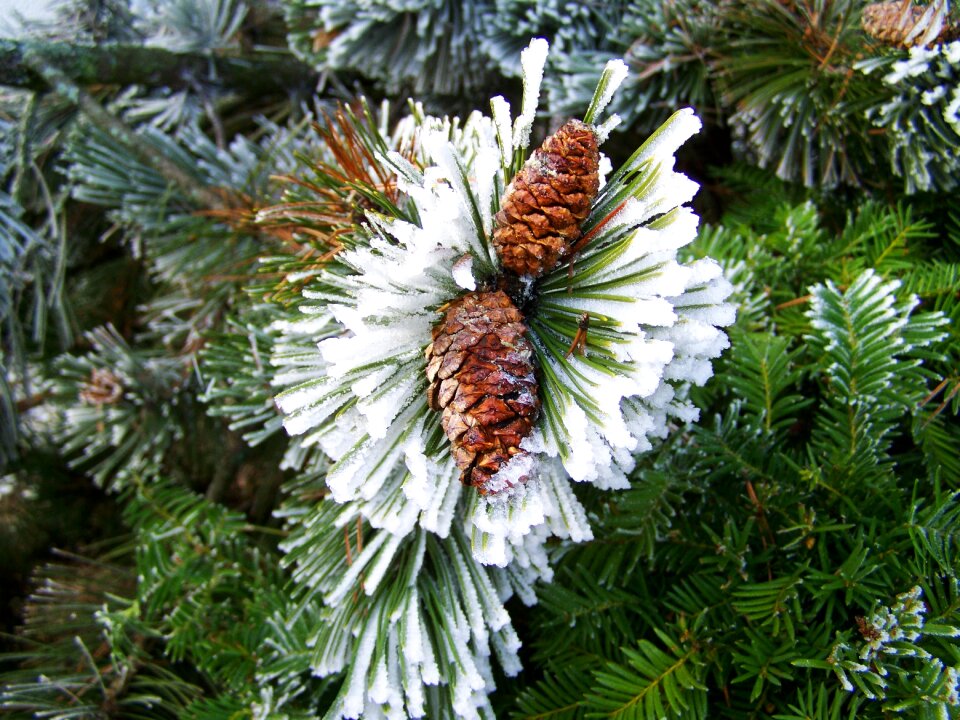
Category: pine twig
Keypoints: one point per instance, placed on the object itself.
(250, 73)
(66, 88)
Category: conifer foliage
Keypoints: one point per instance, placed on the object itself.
(444, 402)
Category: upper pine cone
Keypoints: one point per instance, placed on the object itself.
(545, 204)
(480, 368)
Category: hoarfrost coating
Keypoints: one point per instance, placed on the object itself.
(357, 391)
(407, 270)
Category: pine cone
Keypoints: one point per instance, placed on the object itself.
(892, 22)
(103, 388)
(480, 368)
(542, 209)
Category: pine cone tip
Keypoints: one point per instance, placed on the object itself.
(509, 479)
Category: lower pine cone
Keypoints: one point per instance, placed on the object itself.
(481, 373)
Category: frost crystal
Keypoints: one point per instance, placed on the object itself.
(891, 652)
(532, 61)
(358, 393)
(613, 76)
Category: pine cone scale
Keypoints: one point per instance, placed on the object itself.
(482, 380)
(448, 388)
(452, 361)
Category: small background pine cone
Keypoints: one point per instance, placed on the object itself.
(548, 200)
(103, 388)
(892, 22)
(480, 368)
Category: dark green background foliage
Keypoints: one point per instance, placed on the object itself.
(759, 556)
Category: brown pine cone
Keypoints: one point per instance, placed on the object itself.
(891, 22)
(545, 204)
(103, 388)
(480, 368)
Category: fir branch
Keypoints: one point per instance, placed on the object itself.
(855, 332)
(889, 663)
(936, 282)
(580, 612)
(555, 697)
(768, 604)
(204, 584)
(768, 663)
(884, 237)
(748, 211)
(855, 580)
(656, 681)
(933, 530)
(938, 438)
(637, 520)
(815, 700)
(732, 454)
(766, 377)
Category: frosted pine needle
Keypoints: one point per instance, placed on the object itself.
(532, 60)
(361, 394)
(643, 347)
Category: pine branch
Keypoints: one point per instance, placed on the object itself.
(260, 72)
(119, 408)
(85, 651)
(665, 45)
(423, 49)
(65, 87)
(787, 75)
(237, 381)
